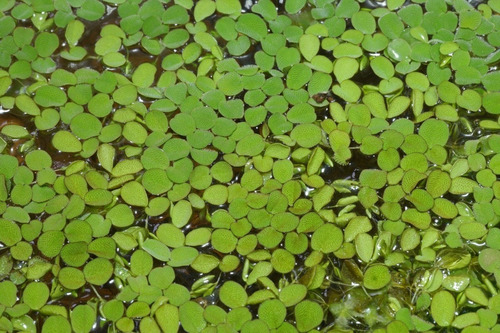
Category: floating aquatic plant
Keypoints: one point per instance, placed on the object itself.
(226, 166)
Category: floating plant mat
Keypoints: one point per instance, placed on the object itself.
(225, 166)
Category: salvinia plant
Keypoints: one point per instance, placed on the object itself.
(249, 166)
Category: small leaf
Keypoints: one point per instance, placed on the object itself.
(232, 294)
(309, 46)
(133, 193)
(74, 31)
(66, 142)
(443, 308)
(204, 9)
(376, 277)
(308, 315)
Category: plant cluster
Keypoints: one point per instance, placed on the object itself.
(208, 166)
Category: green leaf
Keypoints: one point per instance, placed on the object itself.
(229, 7)
(56, 323)
(156, 249)
(252, 25)
(364, 22)
(47, 96)
(8, 293)
(308, 315)
(35, 295)
(382, 67)
(98, 197)
(167, 317)
(50, 243)
(443, 308)
(98, 271)
(470, 20)
(298, 76)
(66, 142)
(491, 80)
(309, 46)
(282, 260)
(74, 31)
(204, 9)
(191, 317)
(232, 294)
(376, 277)
(91, 10)
(347, 8)
(293, 6)
(133, 193)
(141, 262)
(488, 260)
(391, 25)
(435, 132)
(327, 238)
(250, 145)
(46, 43)
(82, 318)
